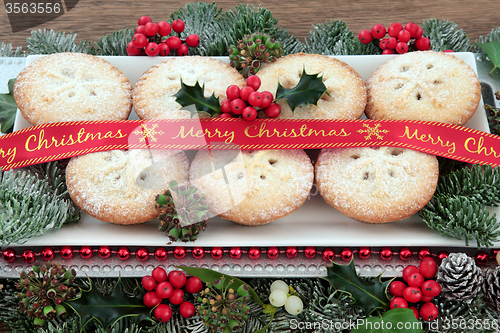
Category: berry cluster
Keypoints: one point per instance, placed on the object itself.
(280, 295)
(399, 38)
(151, 39)
(171, 287)
(246, 102)
(418, 289)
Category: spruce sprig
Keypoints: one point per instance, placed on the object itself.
(49, 42)
(330, 38)
(114, 43)
(458, 207)
(7, 51)
(444, 35)
(493, 36)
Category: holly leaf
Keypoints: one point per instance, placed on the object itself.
(492, 49)
(194, 95)
(107, 309)
(397, 320)
(308, 91)
(369, 295)
(8, 108)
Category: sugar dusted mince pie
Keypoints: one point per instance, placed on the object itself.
(253, 187)
(376, 185)
(72, 87)
(120, 186)
(154, 92)
(347, 92)
(427, 86)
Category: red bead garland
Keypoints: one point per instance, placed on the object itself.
(198, 252)
(9, 255)
(86, 252)
(179, 252)
(328, 254)
(405, 253)
(217, 252)
(254, 253)
(310, 252)
(424, 252)
(123, 253)
(47, 253)
(386, 253)
(364, 252)
(66, 252)
(291, 252)
(142, 254)
(104, 252)
(482, 258)
(28, 256)
(441, 255)
(161, 253)
(273, 252)
(235, 252)
(346, 254)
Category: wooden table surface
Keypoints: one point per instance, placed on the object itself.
(91, 19)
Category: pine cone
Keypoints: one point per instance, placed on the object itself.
(460, 278)
(491, 288)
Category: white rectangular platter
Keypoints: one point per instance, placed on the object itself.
(314, 224)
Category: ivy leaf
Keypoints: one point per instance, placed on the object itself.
(369, 295)
(107, 309)
(8, 108)
(492, 49)
(194, 95)
(397, 320)
(308, 91)
(208, 275)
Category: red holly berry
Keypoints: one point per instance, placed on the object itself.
(233, 92)
(399, 302)
(431, 288)
(426, 298)
(140, 30)
(151, 29)
(428, 267)
(411, 28)
(152, 49)
(415, 311)
(273, 110)
(174, 42)
(245, 92)
(254, 82)
(378, 31)
(419, 32)
(187, 309)
(365, 37)
(392, 43)
(412, 294)
(388, 51)
(193, 40)
(143, 20)
(177, 279)
(132, 50)
(423, 44)
(255, 99)
(178, 25)
(164, 289)
(249, 113)
(225, 115)
(383, 44)
(151, 299)
(164, 28)
(193, 285)
(163, 313)
(394, 29)
(429, 311)
(237, 105)
(415, 280)
(404, 36)
(402, 48)
(148, 282)
(396, 288)
(139, 41)
(164, 49)
(159, 274)
(448, 51)
(267, 98)
(225, 106)
(177, 297)
(182, 50)
(408, 271)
